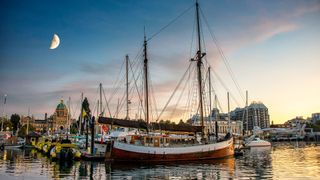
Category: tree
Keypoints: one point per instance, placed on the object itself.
(15, 120)
(85, 106)
(189, 121)
(6, 124)
(74, 128)
(23, 130)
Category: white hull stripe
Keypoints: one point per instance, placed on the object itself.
(172, 150)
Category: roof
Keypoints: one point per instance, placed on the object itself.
(257, 105)
(61, 106)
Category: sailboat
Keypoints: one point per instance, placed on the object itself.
(156, 147)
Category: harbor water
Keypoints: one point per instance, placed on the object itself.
(284, 160)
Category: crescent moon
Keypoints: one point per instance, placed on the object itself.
(54, 42)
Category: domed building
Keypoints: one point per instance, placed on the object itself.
(60, 117)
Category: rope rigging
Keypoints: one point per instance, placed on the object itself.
(190, 103)
(224, 58)
(171, 22)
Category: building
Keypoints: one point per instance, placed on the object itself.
(25, 119)
(315, 117)
(222, 122)
(60, 117)
(40, 125)
(257, 115)
(296, 121)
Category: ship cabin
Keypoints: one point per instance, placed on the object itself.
(160, 140)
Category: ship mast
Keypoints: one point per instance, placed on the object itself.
(100, 102)
(81, 114)
(127, 85)
(145, 68)
(199, 57)
(209, 74)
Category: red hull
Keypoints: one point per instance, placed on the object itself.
(122, 155)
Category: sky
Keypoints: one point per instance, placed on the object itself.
(271, 46)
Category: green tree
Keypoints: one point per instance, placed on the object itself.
(23, 130)
(74, 128)
(189, 121)
(6, 124)
(85, 106)
(15, 121)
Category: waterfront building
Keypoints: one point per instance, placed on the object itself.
(258, 115)
(297, 121)
(315, 117)
(222, 122)
(40, 125)
(60, 117)
(24, 120)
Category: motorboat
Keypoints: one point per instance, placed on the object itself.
(257, 142)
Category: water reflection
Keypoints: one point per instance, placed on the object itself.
(281, 161)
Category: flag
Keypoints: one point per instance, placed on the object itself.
(5, 99)
(84, 113)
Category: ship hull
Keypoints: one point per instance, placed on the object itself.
(127, 152)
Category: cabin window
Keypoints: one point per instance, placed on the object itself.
(148, 140)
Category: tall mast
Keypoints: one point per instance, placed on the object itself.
(145, 68)
(200, 55)
(68, 116)
(127, 85)
(209, 69)
(81, 113)
(229, 129)
(247, 120)
(216, 106)
(100, 88)
(98, 104)
(4, 111)
(28, 120)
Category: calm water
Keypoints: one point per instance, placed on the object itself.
(283, 161)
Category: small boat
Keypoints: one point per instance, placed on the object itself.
(13, 146)
(46, 148)
(65, 151)
(257, 142)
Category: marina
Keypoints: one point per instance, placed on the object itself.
(258, 163)
(110, 100)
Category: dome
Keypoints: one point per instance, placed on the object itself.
(61, 106)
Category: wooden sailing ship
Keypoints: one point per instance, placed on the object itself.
(156, 147)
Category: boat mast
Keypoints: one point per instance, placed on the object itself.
(81, 113)
(4, 111)
(28, 120)
(145, 68)
(209, 69)
(200, 55)
(210, 105)
(68, 116)
(127, 85)
(247, 120)
(229, 127)
(100, 88)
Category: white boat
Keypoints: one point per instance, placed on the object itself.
(257, 142)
